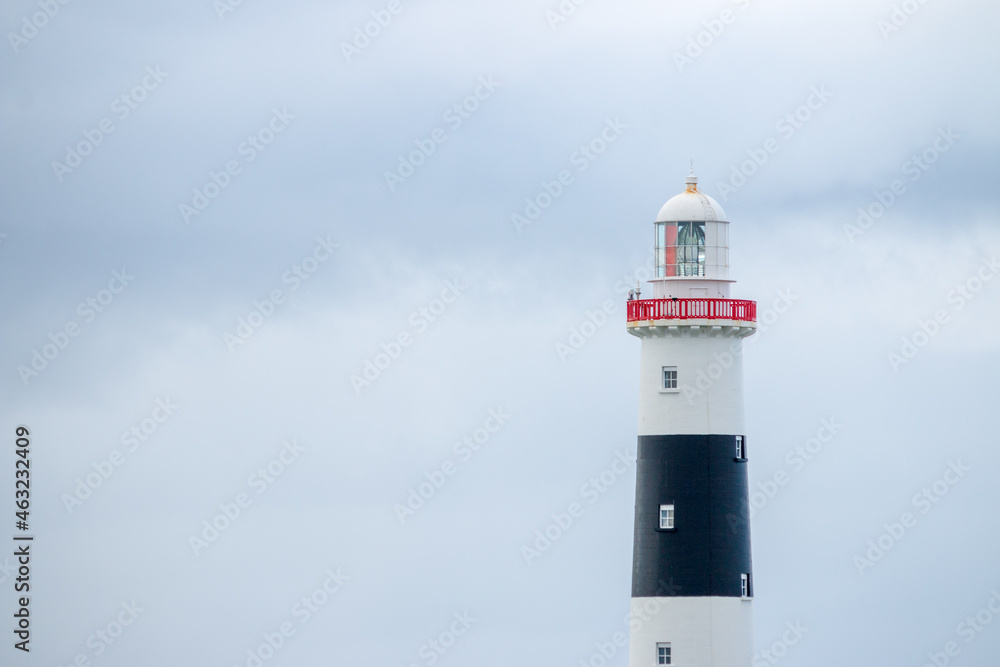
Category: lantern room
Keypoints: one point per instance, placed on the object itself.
(692, 247)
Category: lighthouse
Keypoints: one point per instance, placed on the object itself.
(692, 580)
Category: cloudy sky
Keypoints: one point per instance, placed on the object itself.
(268, 268)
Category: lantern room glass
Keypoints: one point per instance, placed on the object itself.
(680, 249)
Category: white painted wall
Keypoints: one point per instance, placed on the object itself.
(702, 631)
(666, 288)
(710, 396)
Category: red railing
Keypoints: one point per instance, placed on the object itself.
(692, 309)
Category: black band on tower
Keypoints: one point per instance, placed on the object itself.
(708, 549)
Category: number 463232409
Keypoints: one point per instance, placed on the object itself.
(22, 483)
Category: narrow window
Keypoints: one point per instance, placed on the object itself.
(666, 517)
(741, 447)
(669, 378)
(745, 585)
(663, 653)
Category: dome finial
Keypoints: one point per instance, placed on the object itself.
(692, 180)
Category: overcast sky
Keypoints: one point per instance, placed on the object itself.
(216, 218)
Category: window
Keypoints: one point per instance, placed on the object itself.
(741, 447)
(745, 585)
(669, 378)
(666, 517)
(680, 249)
(663, 654)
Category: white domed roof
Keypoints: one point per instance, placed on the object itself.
(691, 206)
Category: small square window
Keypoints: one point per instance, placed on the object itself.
(745, 585)
(666, 517)
(663, 654)
(741, 447)
(669, 382)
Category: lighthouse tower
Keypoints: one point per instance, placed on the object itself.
(692, 581)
